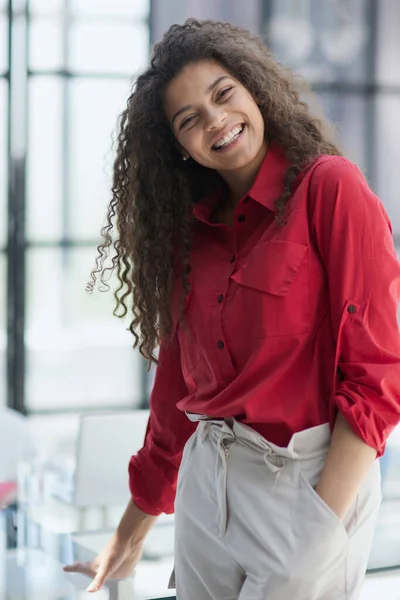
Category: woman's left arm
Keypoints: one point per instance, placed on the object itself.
(354, 238)
(346, 465)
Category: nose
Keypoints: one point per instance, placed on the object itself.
(215, 118)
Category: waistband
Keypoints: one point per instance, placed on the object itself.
(306, 443)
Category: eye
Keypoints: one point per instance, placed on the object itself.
(224, 92)
(186, 121)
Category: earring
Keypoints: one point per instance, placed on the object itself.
(185, 157)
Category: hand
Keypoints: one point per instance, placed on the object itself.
(123, 551)
(331, 501)
(118, 560)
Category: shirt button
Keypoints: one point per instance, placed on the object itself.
(233, 259)
(221, 345)
(220, 297)
(351, 308)
(242, 218)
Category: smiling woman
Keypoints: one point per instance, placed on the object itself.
(238, 82)
(260, 261)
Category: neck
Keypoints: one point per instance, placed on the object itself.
(239, 181)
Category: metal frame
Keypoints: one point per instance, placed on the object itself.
(17, 106)
(370, 131)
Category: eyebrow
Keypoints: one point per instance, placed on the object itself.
(208, 91)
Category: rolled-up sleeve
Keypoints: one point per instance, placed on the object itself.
(153, 470)
(354, 239)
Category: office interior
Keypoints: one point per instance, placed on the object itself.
(74, 395)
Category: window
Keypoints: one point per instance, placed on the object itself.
(78, 354)
(387, 132)
(323, 41)
(82, 58)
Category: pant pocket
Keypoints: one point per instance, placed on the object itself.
(320, 540)
(319, 506)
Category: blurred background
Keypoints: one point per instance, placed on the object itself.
(66, 70)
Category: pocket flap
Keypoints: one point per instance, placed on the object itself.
(272, 266)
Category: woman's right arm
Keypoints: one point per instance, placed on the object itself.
(153, 473)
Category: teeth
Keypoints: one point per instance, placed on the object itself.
(229, 137)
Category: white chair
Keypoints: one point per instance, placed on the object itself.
(104, 446)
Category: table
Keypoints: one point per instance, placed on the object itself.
(35, 572)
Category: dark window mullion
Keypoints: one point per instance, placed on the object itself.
(17, 126)
(373, 15)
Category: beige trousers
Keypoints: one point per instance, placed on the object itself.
(249, 525)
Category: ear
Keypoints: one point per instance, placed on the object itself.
(182, 151)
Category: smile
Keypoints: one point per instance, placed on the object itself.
(229, 138)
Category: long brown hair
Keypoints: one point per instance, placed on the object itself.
(154, 191)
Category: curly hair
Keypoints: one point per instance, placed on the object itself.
(154, 191)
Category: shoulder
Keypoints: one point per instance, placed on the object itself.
(338, 191)
(335, 181)
(334, 170)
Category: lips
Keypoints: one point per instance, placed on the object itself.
(228, 138)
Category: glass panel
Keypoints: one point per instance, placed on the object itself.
(3, 43)
(45, 43)
(46, 7)
(388, 42)
(387, 135)
(78, 354)
(105, 48)
(137, 8)
(324, 41)
(94, 108)
(3, 331)
(349, 114)
(44, 166)
(3, 160)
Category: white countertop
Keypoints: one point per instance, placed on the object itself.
(36, 574)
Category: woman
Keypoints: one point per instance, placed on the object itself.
(259, 260)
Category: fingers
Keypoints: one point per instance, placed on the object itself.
(103, 572)
(84, 568)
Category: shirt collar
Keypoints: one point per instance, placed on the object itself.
(268, 184)
(266, 188)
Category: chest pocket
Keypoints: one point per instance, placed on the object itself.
(273, 288)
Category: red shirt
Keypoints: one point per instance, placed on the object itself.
(286, 325)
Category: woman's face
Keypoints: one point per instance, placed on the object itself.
(214, 118)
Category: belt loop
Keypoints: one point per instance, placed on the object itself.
(203, 430)
(275, 465)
